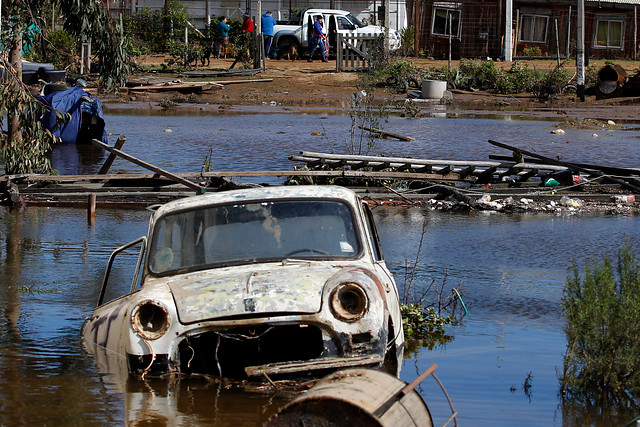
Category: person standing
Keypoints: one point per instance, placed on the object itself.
(318, 39)
(222, 30)
(244, 52)
(268, 22)
(247, 24)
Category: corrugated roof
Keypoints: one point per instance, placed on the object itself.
(616, 1)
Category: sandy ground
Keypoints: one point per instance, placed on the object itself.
(303, 85)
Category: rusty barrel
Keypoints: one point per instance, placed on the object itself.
(355, 397)
(611, 77)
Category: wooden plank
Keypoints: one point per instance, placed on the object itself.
(196, 86)
(107, 164)
(405, 160)
(149, 166)
(236, 82)
(385, 133)
(317, 364)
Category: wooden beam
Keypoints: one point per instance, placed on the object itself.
(149, 166)
(107, 164)
(569, 165)
(385, 133)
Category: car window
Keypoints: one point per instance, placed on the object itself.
(344, 24)
(253, 232)
(355, 20)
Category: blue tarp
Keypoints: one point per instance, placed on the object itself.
(71, 101)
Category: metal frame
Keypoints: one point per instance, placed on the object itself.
(143, 248)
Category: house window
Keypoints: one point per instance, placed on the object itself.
(445, 21)
(533, 28)
(609, 34)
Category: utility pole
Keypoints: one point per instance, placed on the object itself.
(508, 29)
(580, 51)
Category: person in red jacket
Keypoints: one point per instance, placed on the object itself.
(247, 24)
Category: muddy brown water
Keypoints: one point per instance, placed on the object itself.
(512, 267)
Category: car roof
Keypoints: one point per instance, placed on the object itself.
(260, 193)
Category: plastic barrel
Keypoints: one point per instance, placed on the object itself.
(433, 89)
(355, 397)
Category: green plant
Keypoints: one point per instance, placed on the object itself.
(551, 84)
(532, 51)
(602, 311)
(425, 315)
(407, 37)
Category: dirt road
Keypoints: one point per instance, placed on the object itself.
(317, 86)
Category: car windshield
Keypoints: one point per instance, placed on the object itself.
(356, 20)
(253, 232)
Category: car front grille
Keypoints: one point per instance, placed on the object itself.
(226, 353)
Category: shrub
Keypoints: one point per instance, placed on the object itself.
(531, 51)
(602, 310)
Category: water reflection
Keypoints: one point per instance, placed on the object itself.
(77, 159)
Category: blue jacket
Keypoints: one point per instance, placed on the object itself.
(317, 29)
(222, 29)
(268, 22)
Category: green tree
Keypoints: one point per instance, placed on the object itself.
(26, 143)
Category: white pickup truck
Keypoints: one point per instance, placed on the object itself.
(299, 28)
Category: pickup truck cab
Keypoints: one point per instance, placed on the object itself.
(297, 31)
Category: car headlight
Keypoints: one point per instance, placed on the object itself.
(150, 320)
(349, 302)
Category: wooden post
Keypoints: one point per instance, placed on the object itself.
(387, 5)
(568, 47)
(91, 209)
(107, 164)
(557, 42)
(417, 16)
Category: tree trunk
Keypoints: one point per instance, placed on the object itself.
(15, 60)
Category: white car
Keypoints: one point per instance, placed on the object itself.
(275, 282)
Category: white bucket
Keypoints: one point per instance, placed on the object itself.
(433, 89)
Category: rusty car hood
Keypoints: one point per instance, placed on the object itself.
(273, 288)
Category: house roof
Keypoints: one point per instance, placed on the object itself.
(616, 1)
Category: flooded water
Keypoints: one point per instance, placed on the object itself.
(512, 268)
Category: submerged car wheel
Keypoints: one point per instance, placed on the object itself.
(150, 320)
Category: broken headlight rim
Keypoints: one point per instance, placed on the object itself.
(150, 320)
(349, 302)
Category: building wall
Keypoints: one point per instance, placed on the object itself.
(479, 30)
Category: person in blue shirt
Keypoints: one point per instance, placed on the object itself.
(268, 21)
(222, 30)
(317, 38)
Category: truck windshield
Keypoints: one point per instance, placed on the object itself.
(356, 21)
(234, 234)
